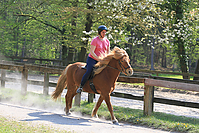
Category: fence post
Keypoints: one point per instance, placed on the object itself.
(148, 99)
(77, 100)
(24, 81)
(90, 97)
(3, 78)
(46, 84)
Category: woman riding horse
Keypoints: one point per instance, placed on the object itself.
(105, 77)
(99, 46)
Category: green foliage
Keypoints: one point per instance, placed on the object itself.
(40, 29)
(179, 29)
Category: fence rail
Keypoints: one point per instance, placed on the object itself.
(149, 82)
(61, 62)
(32, 60)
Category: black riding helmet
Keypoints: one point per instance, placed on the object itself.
(101, 28)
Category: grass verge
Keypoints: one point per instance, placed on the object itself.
(157, 120)
(11, 126)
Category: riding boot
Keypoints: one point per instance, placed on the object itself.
(80, 89)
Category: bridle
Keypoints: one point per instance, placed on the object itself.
(122, 67)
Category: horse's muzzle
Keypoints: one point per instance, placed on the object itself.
(129, 72)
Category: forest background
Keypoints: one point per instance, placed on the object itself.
(157, 34)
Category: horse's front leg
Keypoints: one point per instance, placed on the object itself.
(107, 99)
(97, 105)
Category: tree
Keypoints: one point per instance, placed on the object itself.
(178, 12)
(64, 28)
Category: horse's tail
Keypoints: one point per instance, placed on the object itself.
(61, 84)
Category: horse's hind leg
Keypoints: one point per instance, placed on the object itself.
(69, 98)
(110, 108)
(97, 105)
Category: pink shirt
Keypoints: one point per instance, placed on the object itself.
(101, 46)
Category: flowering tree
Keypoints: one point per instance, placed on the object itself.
(178, 29)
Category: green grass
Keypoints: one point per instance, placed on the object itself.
(160, 75)
(171, 76)
(11, 126)
(168, 76)
(134, 116)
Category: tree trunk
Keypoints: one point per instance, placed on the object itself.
(182, 57)
(16, 35)
(71, 51)
(152, 55)
(82, 54)
(64, 54)
(89, 23)
(70, 58)
(164, 58)
(157, 55)
(197, 71)
(179, 42)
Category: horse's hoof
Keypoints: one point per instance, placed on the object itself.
(115, 122)
(95, 116)
(69, 113)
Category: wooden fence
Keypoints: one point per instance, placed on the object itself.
(33, 60)
(148, 81)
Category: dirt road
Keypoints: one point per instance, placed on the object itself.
(73, 123)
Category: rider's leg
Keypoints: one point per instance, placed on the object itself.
(90, 64)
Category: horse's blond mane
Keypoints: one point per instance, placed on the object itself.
(116, 53)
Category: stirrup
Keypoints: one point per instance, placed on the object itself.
(79, 90)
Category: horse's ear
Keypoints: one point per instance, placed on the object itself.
(116, 48)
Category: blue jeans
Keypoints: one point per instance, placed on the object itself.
(90, 64)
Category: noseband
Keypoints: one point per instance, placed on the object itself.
(122, 67)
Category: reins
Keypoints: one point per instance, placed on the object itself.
(114, 68)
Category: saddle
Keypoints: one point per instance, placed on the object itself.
(90, 79)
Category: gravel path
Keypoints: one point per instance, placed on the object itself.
(74, 123)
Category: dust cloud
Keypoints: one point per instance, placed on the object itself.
(34, 97)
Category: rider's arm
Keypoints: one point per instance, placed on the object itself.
(108, 49)
(93, 53)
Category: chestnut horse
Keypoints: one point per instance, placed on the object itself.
(106, 75)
